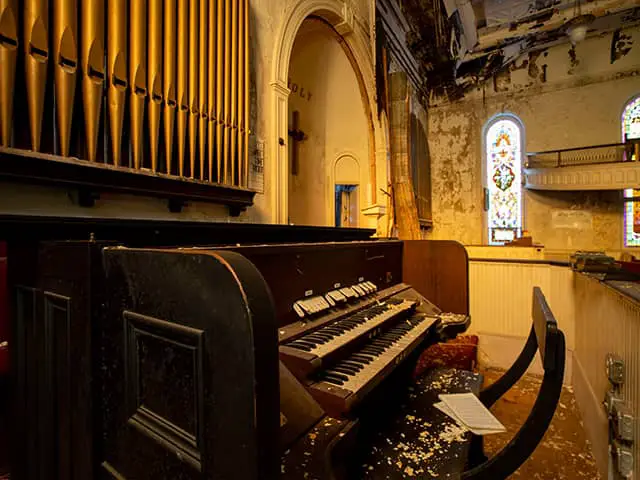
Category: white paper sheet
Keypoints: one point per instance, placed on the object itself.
(469, 412)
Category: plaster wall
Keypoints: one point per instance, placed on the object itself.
(325, 92)
(267, 18)
(565, 99)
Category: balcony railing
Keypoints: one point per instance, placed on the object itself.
(610, 153)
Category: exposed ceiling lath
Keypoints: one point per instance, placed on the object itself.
(462, 42)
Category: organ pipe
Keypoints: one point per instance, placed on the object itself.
(137, 76)
(173, 72)
(154, 79)
(93, 73)
(8, 59)
(169, 79)
(117, 73)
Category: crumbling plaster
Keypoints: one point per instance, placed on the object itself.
(577, 102)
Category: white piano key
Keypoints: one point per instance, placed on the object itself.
(391, 354)
(346, 337)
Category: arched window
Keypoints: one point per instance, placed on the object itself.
(631, 129)
(503, 150)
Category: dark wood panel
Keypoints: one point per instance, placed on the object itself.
(147, 233)
(161, 354)
(439, 270)
(25, 358)
(59, 411)
(292, 271)
(213, 369)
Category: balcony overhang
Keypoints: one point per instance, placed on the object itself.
(603, 176)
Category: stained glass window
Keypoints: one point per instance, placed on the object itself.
(504, 180)
(631, 129)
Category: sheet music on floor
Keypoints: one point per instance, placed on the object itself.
(469, 412)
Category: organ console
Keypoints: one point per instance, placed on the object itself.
(342, 320)
(241, 361)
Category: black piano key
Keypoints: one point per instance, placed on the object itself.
(345, 369)
(361, 357)
(338, 375)
(325, 336)
(309, 339)
(302, 342)
(352, 364)
(374, 351)
(332, 331)
(332, 379)
(299, 347)
(378, 346)
(318, 339)
(349, 323)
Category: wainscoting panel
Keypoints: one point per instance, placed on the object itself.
(501, 294)
(608, 323)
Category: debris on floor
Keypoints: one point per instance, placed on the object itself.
(564, 453)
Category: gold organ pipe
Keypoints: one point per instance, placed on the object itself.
(169, 78)
(203, 94)
(137, 75)
(8, 58)
(234, 88)
(241, 96)
(182, 85)
(92, 71)
(154, 79)
(117, 72)
(247, 103)
(193, 84)
(36, 24)
(227, 80)
(65, 55)
(219, 89)
(212, 87)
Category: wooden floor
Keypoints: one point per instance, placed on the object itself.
(565, 452)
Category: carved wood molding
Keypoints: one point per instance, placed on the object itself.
(604, 176)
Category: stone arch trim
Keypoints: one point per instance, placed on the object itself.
(339, 15)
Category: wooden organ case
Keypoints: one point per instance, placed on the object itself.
(192, 341)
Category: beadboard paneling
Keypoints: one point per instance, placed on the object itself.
(608, 323)
(501, 293)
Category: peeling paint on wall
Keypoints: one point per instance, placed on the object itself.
(621, 44)
(558, 111)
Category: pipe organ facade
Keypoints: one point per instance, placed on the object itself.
(160, 86)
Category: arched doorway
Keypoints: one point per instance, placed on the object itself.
(357, 47)
(326, 116)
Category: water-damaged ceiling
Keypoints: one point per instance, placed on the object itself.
(459, 43)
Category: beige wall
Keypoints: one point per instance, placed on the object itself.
(333, 119)
(575, 105)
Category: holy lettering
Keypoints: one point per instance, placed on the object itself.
(299, 90)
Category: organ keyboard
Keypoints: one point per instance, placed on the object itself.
(343, 357)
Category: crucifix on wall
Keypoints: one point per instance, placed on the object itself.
(297, 136)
